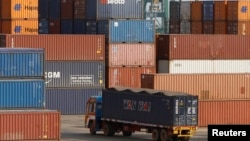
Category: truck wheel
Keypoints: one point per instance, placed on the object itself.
(164, 135)
(184, 138)
(92, 130)
(108, 130)
(126, 133)
(155, 135)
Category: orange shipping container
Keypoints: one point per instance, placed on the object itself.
(196, 11)
(20, 26)
(223, 112)
(220, 27)
(220, 10)
(196, 27)
(206, 86)
(131, 54)
(19, 9)
(29, 125)
(126, 76)
(238, 10)
(59, 46)
(238, 27)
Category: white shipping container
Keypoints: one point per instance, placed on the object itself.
(204, 66)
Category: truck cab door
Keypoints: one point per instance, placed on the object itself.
(90, 114)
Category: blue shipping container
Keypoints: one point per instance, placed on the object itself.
(54, 9)
(43, 9)
(79, 26)
(66, 26)
(22, 93)
(91, 27)
(103, 27)
(21, 63)
(63, 74)
(91, 9)
(131, 31)
(208, 11)
(70, 101)
(43, 27)
(119, 9)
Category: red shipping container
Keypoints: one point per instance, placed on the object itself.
(220, 11)
(67, 9)
(138, 54)
(196, 27)
(126, 76)
(220, 27)
(54, 27)
(203, 46)
(208, 27)
(224, 112)
(238, 10)
(238, 27)
(206, 86)
(196, 11)
(79, 9)
(61, 47)
(30, 125)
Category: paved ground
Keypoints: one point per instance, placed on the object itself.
(72, 129)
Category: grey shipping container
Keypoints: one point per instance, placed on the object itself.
(74, 74)
(22, 93)
(22, 63)
(70, 101)
(119, 9)
(150, 107)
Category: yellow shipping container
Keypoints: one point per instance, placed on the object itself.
(20, 26)
(243, 10)
(19, 9)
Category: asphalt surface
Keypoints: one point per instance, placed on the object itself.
(72, 129)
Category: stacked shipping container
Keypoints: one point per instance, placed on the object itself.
(74, 68)
(22, 88)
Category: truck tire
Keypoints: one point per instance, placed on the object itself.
(184, 138)
(126, 133)
(156, 134)
(164, 135)
(92, 130)
(108, 130)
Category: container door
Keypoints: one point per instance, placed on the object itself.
(192, 111)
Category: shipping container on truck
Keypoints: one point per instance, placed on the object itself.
(167, 115)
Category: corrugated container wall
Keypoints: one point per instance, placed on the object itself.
(103, 28)
(43, 27)
(126, 76)
(220, 27)
(43, 9)
(19, 9)
(151, 109)
(131, 31)
(154, 10)
(238, 27)
(238, 10)
(67, 26)
(224, 112)
(75, 74)
(30, 125)
(220, 11)
(20, 26)
(80, 9)
(91, 27)
(185, 27)
(174, 27)
(122, 9)
(91, 9)
(196, 10)
(54, 9)
(61, 47)
(67, 9)
(131, 55)
(206, 86)
(22, 63)
(79, 26)
(22, 93)
(185, 9)
(196, 27)
(198, 46)
(208, 10)
(174, 10)
(208, 27)
(209, 66)
(70, 101)
(54, 26)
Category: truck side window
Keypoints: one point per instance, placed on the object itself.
(92, 107)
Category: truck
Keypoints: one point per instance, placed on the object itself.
(168, 116)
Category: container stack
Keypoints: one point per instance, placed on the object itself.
(196, 17)
(208, 17)
(22, 97)
(214, 67)
(220, 17)
(185, 13)
(74, 68)
(19, 16)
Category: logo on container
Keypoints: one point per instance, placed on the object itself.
(50, 75)
(17, 7)
(18, 29)
(244, 9)
(112, 1)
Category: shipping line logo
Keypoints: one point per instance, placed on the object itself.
(18, 29)
(112, 1)
(244, 9)
(18, 7)
(51, 75)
